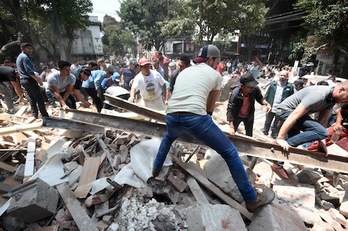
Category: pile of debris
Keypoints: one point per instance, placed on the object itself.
(60, 179)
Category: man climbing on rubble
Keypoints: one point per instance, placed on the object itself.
(298, 127)
(189, 112)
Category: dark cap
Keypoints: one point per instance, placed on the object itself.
(248, 80)
(205, 52)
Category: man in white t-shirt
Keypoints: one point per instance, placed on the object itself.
(151, 85)
(61, 84)
(196, 90)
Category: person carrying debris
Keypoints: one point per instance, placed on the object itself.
(189, 112)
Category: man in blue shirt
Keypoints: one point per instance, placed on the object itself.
(30, 81)
(93, 87)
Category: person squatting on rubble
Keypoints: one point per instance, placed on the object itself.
(298, 127)
(61, 84)
(8, 74)
(151, 85)
(30, 81)
(189, 112)
(241, 105)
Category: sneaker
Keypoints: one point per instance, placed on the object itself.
(155, 171)
(280, 171)
(264, 196)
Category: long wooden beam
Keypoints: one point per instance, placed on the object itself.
(243, 144)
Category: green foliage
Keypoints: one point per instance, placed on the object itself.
(118, 41)
(143, 18)
(178, 24)
(70, 15)
(327, 19)
(214, 17)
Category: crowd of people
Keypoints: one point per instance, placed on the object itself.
(298, 113)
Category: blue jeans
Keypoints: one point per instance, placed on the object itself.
(204, 129)
(311, 130)
(248, 124)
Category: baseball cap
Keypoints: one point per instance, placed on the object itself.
(143, 61)
(205, 52)
(248, 80)
(154, 58)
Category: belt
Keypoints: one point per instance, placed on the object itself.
(182, 113)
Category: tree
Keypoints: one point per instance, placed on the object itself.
(52, 19)
(117, 41)
(143, 18)
(13, 28)
(327, 20)
(214, 17)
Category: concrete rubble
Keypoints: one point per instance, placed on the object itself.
(102, 181)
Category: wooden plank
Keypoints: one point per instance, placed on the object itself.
(20, 128)
(7, 167)
(49, 228)
(243, 144)
(30, 158)
(145, 111)
(88, 175)
(197, 191)
(207, 184)
(106, 151)
(78, 213)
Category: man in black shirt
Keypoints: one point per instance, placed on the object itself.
(8, 74)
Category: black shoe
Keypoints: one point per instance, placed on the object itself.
(265, 133)
(155, 171)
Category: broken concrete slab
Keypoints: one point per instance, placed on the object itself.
(300, 199)
(33, 201)
(276, 217)
(214, 217)
(222, 178)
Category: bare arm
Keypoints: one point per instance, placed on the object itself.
(79, 97)
(68, 92)
(339, 119)
(269, 107)
(212, 97)
(132, 94)
(17, 89)
(56, 93)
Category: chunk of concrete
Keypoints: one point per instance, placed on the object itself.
(222, 178)
(300, 199)
(277, 217)
(214, 217)
(33, 201)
